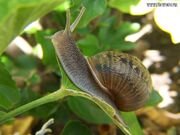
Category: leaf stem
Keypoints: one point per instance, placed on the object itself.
(59, 94)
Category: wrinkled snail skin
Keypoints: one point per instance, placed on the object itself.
(113, 76)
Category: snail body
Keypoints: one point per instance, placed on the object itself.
(115, 77)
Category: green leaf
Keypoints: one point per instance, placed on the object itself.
(133, 7)
(127, 28)
(154, 98)
(89, 45)
(15, 15)
(26, 62)
(9, 94)
(34, 79)
(44, 111)
(93, 9)
(27, 96)
(63, 114)
(123, 46)
(132, 123)
(64, 6)
(49, 56)
(83, 31)
(75, 128)
(8, 63)
(123, 5)
(92, 113)
(112, 38)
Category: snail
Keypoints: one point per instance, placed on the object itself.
(116, 77)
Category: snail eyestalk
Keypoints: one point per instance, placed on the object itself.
(67, 29)
(75, 23)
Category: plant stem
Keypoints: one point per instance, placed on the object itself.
(59, 94)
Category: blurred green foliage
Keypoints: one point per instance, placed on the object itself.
(90, 113)
(123, 5)
(75, 128)
(9, 93)
(93, 9)
(101, 28)
(154, 98)
(49, 57)
(132, 121)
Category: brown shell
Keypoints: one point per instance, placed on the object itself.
(124, 76)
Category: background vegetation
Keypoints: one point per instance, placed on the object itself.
(29, 68)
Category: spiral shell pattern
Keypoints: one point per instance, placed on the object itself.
(124, 76)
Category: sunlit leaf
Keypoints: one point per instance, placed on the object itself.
(15, 15)
(141, 8)
(123, 5)
(133, 7)
(64, 6)
(168, 20)
(8, 63)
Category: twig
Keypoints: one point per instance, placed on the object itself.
(45, 128)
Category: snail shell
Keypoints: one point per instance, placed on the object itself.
(123, 77)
